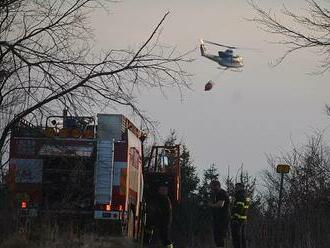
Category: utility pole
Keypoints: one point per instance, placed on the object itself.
(282, 169)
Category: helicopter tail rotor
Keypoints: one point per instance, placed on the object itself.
(202, 48)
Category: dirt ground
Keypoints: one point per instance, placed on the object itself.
(84, 242)
(114, 242)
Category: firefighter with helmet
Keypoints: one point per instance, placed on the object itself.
(240, 206)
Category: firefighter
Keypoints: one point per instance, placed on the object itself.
(240, 206)
(159, 215)
(164, 215)
(220, 211)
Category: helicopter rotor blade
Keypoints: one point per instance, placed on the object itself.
(249, 49)
(232, 47)
(218, 44)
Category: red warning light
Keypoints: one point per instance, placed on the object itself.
(108, 207)
(23, 205)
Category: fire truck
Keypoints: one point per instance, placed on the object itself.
(87, 168)
(77, 166)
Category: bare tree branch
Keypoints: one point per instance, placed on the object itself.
(310, 30)
(47, 63)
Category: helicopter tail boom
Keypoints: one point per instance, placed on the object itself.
(202, 48)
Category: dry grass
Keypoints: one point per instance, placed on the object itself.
(52, 235)
(86, 241)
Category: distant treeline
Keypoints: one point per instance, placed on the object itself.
(305, 213)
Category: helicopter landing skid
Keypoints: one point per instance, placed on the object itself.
(231, 69)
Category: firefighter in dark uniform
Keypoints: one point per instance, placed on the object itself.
(220, 212)
(159, 217)
(240, 206)
(164, 220)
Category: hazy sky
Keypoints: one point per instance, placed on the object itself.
(248, 114)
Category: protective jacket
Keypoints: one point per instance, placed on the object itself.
(240, 206)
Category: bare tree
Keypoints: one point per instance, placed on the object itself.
(309, 30)
(306, 202)
(47, 62)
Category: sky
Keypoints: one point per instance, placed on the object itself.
(247, 115)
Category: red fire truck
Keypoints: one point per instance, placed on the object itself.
(76, 166)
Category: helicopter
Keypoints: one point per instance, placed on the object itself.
(226, 58)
